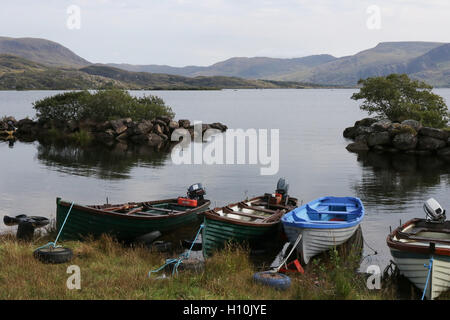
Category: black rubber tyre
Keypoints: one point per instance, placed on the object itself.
(53, 255)
(161, 246)
(148, 238)
(188, 243)
(276, 280)
(39, 222)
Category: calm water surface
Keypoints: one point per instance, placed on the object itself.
(313, 158)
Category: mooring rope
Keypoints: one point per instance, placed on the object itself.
(179, 260)
(429, 266)
(53, 244)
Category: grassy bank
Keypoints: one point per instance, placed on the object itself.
(112, 271)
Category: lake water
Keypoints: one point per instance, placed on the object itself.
(313, 159)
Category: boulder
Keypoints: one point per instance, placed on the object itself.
(404, 141)
(362, 130)
(157, 129)
(416, 125)
(139, 138)
(397, 128)
(154, 139)
(366, 122)
(219, 126)
(380, 126)
(118, 126)
(361, 138)
(357, 147)
(143, 127)
(205, 127)
(26, 127)
(164, 137)
(378, 138)
(164, 119)
(349, 133)
(173, 125)
(184, 124)
(433, 133)
(429, 143)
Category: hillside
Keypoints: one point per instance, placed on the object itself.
(385, 58)
(242, 67)
(41, 51)
(427, 61)
(17, 73)
(145, 80)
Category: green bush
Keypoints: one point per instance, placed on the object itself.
(100, 106)
(398, 98)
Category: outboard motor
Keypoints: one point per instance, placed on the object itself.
(434, 211)
(281, 193)
(26, 225)
(282, 187)
(196, 191)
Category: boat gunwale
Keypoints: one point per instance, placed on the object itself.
(212, 214)
(411, 247)
(91, 210)
(319, 224)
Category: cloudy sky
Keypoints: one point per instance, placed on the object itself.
(201, 32)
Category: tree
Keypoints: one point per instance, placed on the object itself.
(397, 98)
(100, 106)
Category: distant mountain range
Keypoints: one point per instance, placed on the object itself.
(17, 73)
(428, 61)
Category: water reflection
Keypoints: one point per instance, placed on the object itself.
(395, 178)
(100, 161)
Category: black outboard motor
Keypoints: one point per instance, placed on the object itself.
(26, 225)
(196, 192)
(282, 187)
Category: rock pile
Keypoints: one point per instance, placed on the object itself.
(150, 132)
(408, 136)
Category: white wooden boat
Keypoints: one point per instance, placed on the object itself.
(413, 245)
(322, 224)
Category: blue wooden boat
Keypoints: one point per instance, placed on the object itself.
(322, 224)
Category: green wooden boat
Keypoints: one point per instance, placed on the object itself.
(248, 221)
(127, 221)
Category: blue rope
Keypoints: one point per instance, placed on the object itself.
(179, 260)
(429, 266)
(53, 244)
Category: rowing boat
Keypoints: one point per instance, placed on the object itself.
(249, 221)
(322, 224)
(131, 220)
(421, 250)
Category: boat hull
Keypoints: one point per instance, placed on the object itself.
(216, 233)
(412, 266)
(314, 241)
(84, 221)
(412, 246)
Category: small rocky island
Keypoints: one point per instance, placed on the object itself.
(408, 136)
(153, 133)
